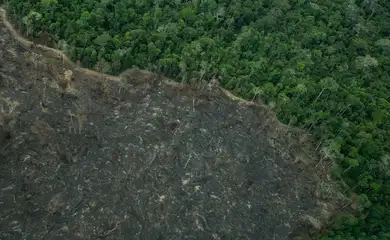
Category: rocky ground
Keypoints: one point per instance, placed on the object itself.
(84, 157)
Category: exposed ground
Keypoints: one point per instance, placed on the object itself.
(85, 157)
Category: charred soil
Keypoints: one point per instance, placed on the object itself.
(87, 157)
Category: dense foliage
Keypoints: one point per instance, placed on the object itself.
(323, 65)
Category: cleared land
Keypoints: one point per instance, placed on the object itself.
(86, 157)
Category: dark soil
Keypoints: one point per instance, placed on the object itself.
(139, 159)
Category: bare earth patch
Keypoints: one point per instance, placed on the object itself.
(84, 157)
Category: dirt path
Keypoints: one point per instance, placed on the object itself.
(57, 52)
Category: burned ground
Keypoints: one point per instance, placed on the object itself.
(84, 157)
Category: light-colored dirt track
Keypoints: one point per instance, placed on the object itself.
(57, 52)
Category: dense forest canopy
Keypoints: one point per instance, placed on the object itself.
(323, 65)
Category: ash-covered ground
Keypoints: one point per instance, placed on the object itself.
(84, 157)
